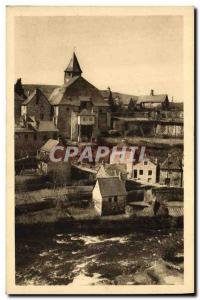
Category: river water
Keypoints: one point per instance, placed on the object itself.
(84, 259)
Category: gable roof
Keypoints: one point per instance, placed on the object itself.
(70, 99)
(45, 88)
(73, 65)
(111, 186)
(141, 163)
(171, 163)
(152, 98)
(58, 93)
(33, 94)
(124, 98)
(116, 169)
(49, 145)
(101, 173)
(30, 97)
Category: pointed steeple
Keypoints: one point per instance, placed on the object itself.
(73, 68)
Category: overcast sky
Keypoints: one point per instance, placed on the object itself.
(129, 54)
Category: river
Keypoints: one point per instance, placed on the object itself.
(61, 258)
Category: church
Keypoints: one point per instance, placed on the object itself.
(79, 110)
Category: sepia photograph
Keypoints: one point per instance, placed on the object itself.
(100, 137)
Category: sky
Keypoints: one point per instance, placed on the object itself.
(131, 54)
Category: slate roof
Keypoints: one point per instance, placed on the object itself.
(101, 173)
(137, 164)
(49, 145)
(46, 126)
(172, 164)
(58, 94)
(152, 98)
(45, 88)
(111, 186)
(124, 98)
(31, 96)
(116, 169)
(73, 65)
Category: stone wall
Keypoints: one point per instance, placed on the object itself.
(112, 207)
(40, 107)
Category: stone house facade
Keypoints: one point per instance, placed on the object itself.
(171, 172)
(28, 140)
(109, 196)
(37, 105)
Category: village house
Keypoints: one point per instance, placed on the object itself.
(124, 101)
(59, 173)
(32, 135)
(80, 112)
(145, 171)
(153, 101)
(109, 196)
(171, 172)
(37, 105)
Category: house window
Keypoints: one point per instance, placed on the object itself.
(41, 116)
(35, 136)
(109, 200)
(115, 198)
(141, 172)
(67, 109)
(135, 173)
(145, 162)
(150, 172)
(44, 137)
(26, 136)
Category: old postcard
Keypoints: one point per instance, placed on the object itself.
(100, 150)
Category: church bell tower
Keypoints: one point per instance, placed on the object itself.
(73, 69)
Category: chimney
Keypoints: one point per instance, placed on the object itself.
(152, 93)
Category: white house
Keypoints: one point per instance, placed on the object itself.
(144, 171)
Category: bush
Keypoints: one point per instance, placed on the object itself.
(169, 251)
